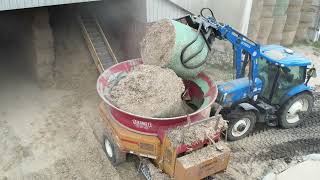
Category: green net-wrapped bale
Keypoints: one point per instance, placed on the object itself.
(278, 24)
(288, 37)
(292, 21)
(275, 36)
(269, 2)
(265, 29)
(281, 7)
(164, 42)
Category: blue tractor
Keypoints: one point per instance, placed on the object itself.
(270, 84)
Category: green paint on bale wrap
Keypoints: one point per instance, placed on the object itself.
(201, 83)
(184, 35)
(204, 86)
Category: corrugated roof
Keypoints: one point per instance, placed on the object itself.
(21, 4)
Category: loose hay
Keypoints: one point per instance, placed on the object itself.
(159, 41)
(156, 173)
(150, 91)
(202, 154)
(194, 133)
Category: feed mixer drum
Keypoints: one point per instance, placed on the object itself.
(201, 90)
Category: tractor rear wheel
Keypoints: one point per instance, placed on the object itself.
(289, 113)
(241, 123)
(114, 154)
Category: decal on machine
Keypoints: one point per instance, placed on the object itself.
(142, 124)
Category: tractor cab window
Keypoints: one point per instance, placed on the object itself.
(277, 81)
(267, 74)
(289, 77)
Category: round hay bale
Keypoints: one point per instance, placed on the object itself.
(275, 38)
(297, 3)
(294, 9)
(310, 6)
(303, 25)
(316, 3)
(262, 40)
(295, 6)
(306, 4)
(256, 10)
(253, 30)
(308, 17)
(269, 2)
(288, 37)
(278, 24)
(302, 33)
(163, 43)
(281, 7)
(292, 21)
(265, 28)
(267, 11)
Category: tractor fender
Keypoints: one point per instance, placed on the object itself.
(248, 107)
(294, 91)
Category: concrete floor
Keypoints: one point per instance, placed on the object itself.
(51, 133)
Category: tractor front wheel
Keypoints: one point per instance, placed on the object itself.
(241, 123)
(289, 113)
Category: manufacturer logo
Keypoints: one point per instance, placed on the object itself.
(141, 124)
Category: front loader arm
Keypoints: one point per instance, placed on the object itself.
(244, 49)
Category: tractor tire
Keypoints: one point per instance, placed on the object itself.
(270, 144)
(241, 123)
(288, 116)
(112, 151)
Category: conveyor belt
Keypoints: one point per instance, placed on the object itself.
(97, 43)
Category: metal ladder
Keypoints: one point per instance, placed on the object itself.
(97, 43)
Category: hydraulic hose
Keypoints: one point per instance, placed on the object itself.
(184, 61)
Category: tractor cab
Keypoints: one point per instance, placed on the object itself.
(283, 73)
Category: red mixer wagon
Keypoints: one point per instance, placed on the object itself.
(147, 137)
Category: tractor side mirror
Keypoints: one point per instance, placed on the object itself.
(312, 72)
(314, 75)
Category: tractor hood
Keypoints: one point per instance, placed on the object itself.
(282, 56)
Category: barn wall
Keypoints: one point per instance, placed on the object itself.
(160, 9)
